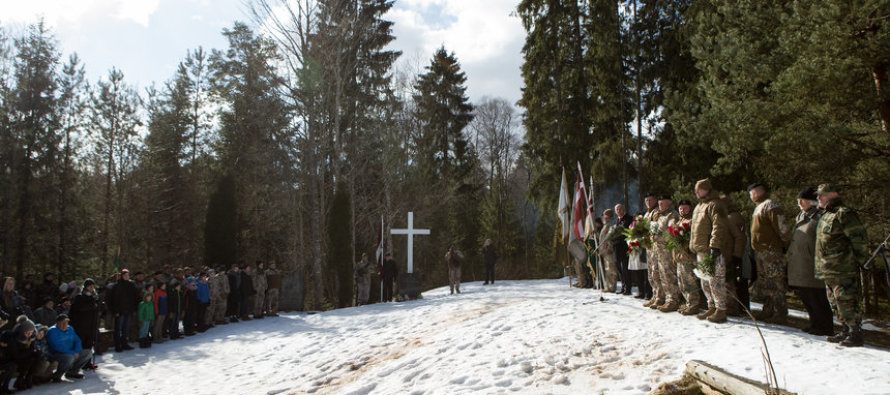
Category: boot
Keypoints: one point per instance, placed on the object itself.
(689, 310)
(705, 315)
(718, 316)
(669, 307)
(840, 336)
(649, 302)
(854, 339)
(657, 303)
(763, 315)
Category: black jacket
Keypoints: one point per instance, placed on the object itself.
(246, 285)
(84, 318)
(234, 285)
(489, 255)
(124, 297)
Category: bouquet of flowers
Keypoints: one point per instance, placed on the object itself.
(678, 236)
(637, 235)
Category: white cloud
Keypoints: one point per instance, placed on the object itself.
(59, 12)
(483, 35)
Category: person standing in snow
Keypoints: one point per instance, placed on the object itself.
(388, 274)
(259, 285)
(453, 260)
(273, 282)
(363, 279)
(489, 258)
(234, 299)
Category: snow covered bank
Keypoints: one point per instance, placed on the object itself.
(516, 336)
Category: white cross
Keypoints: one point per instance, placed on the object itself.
(410, 231)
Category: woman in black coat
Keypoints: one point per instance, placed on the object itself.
(84, 314)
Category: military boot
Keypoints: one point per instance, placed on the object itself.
(669, 307)
(705, 315)
(689, 310)
(840, 336)
(649, 302)
(855, 337)
(718, 316)
(657, 303)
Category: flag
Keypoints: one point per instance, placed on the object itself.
(580, 207)
(117, 260)
(589, 229)
(380, 249)
(563, 211)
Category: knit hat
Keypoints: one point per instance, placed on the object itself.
(23, 325)
(88, 282)
(704, 184)
(808, 193)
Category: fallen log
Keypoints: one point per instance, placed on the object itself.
(727, 383)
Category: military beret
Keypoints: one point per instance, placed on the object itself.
(826, 188)
(648, 195)
(807, 193)
(664, 197)
(684, 202)
(755, 186)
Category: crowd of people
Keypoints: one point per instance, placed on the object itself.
(51, 331)
(701, 259)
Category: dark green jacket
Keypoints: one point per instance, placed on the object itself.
(841, 242)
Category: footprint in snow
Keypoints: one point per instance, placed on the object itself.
(458, 381)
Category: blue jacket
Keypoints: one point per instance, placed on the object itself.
(64, 342)
(204, 293)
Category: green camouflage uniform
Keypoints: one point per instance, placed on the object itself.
(652, 259)
(607, 253)
(841, 246)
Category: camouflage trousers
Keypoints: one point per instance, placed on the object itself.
(652, 259)
(454, 278)
(771, 268)
(843, 296)
(259, 302)
(219, 311)
(667, 275)
(688, 283)
(272, 301)
(714, 287)
(610, 269)
(209, 314)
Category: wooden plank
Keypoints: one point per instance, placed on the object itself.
(724, 381)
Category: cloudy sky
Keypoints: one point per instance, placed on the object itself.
(147, 38)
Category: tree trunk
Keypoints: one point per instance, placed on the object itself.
(879, 72)
(24, 211)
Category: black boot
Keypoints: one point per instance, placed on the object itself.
(854, 339)
(840, 336)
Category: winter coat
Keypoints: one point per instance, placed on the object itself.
(246, 286)
(737, 234)
(489, 255)
(160, 301)
(663, 218)
(85, 317)
(12, 303)
(273, 279)
(768, 228)
(14, 350)
(709, 226)
(841, 242)
(146, 311)
(259, 281)
(124, 297)
(454, 257)
(203, 292)
(174, 301)
(63, 342)
(45, 316)
(390, 271)
(607, 249)
(802, 250)
(362, 270)
(234, 285)
(684, 254)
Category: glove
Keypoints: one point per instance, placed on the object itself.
(715, 252)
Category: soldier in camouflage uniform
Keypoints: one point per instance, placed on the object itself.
(273, 281)
(220, 283)
(666, 216)
(770, 236)
(841, 246)
(607, 252)
(685, 262)
(259, 285)
(652, 256)
(708, 237)
(736, 283)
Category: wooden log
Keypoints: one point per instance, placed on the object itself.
(725, 382)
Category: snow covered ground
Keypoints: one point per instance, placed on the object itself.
(516, 336)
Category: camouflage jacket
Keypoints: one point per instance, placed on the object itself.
(664, 219)
(768, 228)
(684, 254)
(841, 242)
(710, 229)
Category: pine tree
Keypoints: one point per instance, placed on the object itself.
(221, 225)
(339, 243)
